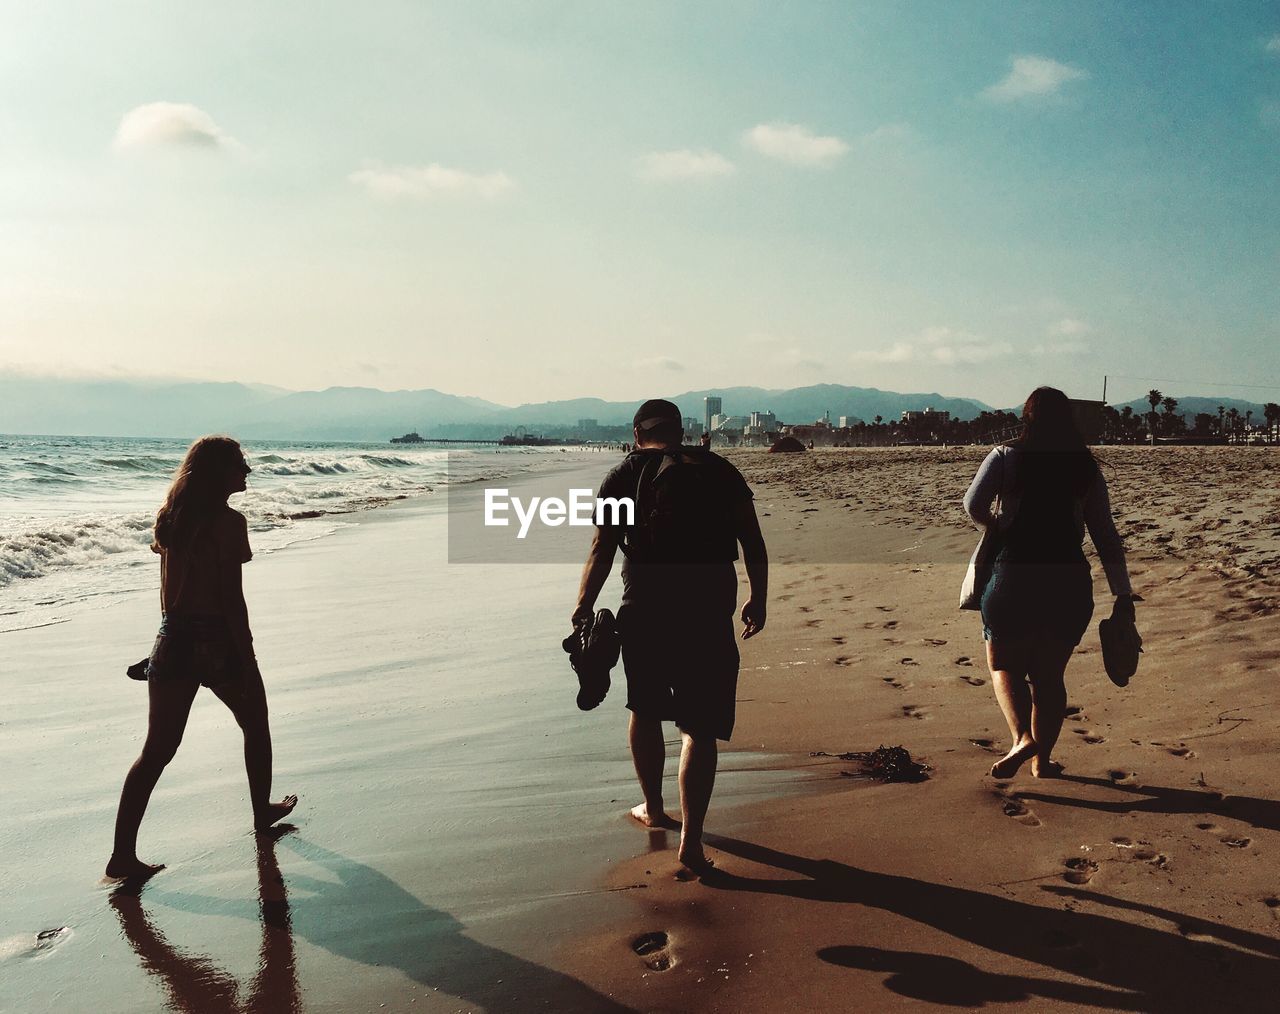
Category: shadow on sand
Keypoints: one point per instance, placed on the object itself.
(1131, 966)
(1261, 813)
(360, 915)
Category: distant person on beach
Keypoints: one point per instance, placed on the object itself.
(704, 441)
(1038, 602)
(204, 639)
(692, 509)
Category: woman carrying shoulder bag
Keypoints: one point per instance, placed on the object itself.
(1038, 601)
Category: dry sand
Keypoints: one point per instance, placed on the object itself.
(1144, 880)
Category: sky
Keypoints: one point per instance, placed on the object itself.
(526, 201)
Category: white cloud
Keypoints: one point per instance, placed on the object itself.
(428, 181)
(1059, 348)
(793, 143)
(170, 124)
(1273, 44)
(1031, 77)
(942, 346)
(898, 352)
(684, 164)
(1068, 326)
(659, 363)
(800, 359)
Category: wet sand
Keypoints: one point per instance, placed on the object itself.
(457, 809)
(1143, 880)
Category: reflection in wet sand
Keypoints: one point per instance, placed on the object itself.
(195, 983)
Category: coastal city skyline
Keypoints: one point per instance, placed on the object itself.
(971, 200)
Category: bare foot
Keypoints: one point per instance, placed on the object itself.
(1007, 766)
(640, 813)
(274, 812)
(131, 868)
(1045, 768)
(694, 860)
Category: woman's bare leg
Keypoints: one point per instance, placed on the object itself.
(170, 704)
(248, 703)
(1009, 663)
(1049, 704)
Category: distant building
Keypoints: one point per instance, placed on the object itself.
(721, 423)
(765, 422)
(928, 417)
(711, 407)
(692, 428)
(847, 420)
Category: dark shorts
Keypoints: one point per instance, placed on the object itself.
(1037, 601)
(194, 646)
(680, 669)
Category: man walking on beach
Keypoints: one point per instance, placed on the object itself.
(680, 588)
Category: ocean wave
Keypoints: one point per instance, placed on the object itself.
(45, 547)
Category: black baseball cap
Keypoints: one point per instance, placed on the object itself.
(656, 412)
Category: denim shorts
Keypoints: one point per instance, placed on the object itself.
(1037, 601)
(194, 646)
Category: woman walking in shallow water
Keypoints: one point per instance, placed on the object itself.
(1038, 601)
(204, 639)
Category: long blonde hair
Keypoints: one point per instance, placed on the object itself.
(197, 491)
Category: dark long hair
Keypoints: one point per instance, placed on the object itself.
(1057, 459)
(198, 489)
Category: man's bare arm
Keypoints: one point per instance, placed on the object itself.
(595, 572)
(756, 559)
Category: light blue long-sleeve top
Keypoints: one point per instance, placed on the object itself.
(995, 481)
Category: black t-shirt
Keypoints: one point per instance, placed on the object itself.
(685, 586)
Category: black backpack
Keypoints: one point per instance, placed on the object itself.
(680, 515)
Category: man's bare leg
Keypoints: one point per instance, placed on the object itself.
(649, 754)
(697, 779)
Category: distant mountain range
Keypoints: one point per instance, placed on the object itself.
(144, 408)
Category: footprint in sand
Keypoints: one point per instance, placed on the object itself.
(1079, 870)
(783, 598)
(908, 661)
(813, 623)
(653, 947)
(914, 711)
(1233, 842)
(890, 625)
(838, 640)
(974, 681)
(1156, 859)
(806, 609)
(1016, 808)
(1208, 827)
(1119, 776)
(935, 641)
(1120, 841)
(964, 660)
(1273, 903)
(1182, 751)
(843, 660)
(892, 682)
(983, 743)
(1089, 737)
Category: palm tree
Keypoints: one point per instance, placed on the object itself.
(1221, 412)
(1233, 417)
(1153, 399)
(1272, 412)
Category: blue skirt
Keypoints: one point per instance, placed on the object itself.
(1037, 601)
